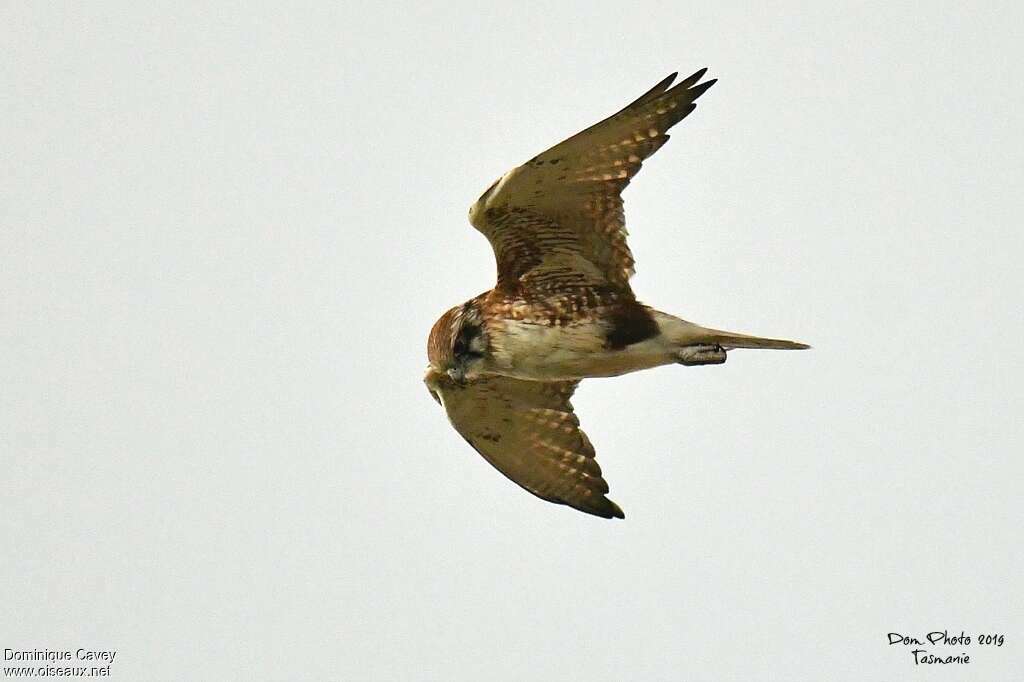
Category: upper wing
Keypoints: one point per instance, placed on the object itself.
(561, 213)
(527, 431)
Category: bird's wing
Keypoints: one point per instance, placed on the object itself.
(527, 431)
(560, 213)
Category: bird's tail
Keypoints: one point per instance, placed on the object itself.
(683, 333)
(730, 340)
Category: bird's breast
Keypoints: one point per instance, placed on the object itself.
(574, 350)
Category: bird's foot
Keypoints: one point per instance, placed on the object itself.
(700, 355)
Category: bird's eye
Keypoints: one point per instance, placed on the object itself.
(463, 347)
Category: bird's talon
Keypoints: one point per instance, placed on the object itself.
(704, 354)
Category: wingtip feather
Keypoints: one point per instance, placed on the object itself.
(698, 90)
(693, 78)
(608, 510)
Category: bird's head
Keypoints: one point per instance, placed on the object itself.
(457, 345)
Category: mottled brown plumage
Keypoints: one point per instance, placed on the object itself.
(527, 431)
(505, 363)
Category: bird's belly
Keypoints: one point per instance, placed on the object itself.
(541, 352)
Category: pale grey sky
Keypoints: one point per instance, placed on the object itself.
(226, 233)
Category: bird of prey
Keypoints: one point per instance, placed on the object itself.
(504, 364)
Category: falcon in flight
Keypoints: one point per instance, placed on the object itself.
(505, 364)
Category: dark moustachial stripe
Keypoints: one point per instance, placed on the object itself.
(630, 323)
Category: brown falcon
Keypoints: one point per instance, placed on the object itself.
(505, 363)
